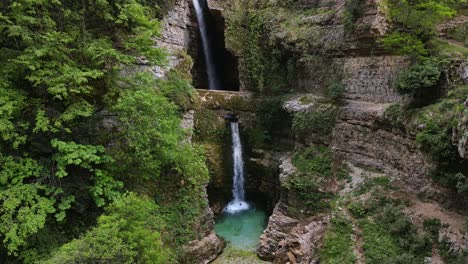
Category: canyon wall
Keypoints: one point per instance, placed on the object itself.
(362, 137)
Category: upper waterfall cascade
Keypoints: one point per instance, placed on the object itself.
(213, 81)
(238, 203)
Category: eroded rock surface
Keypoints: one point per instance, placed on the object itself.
(203, 251)
(279, 226)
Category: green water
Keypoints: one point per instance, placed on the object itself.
(242, 230)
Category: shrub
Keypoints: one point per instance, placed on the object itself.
(395, 115)
(127, 233)
(379, 246)
(415, 23)
(418, 77)
(309, 193)
(357, 209)
(435, 139)
(432, 226)
(404, 44)
(314, 160)
(338, 245)
(459, 33)
(355, 9)
(314, 164)
(335, 93)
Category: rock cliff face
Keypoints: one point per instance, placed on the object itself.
(362, 136)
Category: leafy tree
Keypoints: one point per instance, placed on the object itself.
(59, 59)
(418, 77)
(129, 232)
(415, 24)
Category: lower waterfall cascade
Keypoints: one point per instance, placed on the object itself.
(238, 203)
(241, 223)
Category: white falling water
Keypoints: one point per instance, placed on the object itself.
(210, 67)
(238, 203)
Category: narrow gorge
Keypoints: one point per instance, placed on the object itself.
(329, 137)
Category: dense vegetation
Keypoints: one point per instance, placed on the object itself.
(94, 167)
(78, 130)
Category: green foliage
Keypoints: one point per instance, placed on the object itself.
(129, 232)
(449, 176)
(245, 32)
(314, 160)
(267, 66)
(320, 121)
(61, 96)
(395, 115)
(155, 157)
(338, 245)
(415, 24)
(335, 93)
(208, 127)
(272, 119)
(379, 247)
(459, 33)
(24, 212)
(450, 255)
(178, 89)
(403, 43)
(389, 235)
(25, 206)
(418, 77)
(436, 141)
(354, 9)
(150, 124)
(432, 226)
(357, 209)
(371, 183)
(314, 167)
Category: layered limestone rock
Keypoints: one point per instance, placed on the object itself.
(360, 139)
(288, 238)
(370, 78)
(303, 242)
(175, 36)
(279, 226)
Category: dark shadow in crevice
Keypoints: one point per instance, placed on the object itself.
(225, 62)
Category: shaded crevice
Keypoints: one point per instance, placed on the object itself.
(225, 62)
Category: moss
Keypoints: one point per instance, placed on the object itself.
(272, 120)
(214, 161)
(319, 122)
(305, 100)
(209, 126)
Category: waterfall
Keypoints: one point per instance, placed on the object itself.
(210, 66)
(238, 203)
